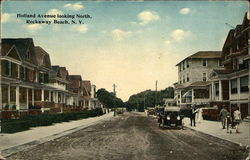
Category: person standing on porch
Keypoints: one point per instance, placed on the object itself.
(237, 119)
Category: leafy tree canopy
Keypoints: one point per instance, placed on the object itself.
(148, 98)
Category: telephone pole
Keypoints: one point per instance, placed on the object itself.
(114, 86)
(156, 92)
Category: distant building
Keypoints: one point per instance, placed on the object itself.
(77, 88)
(193, 85)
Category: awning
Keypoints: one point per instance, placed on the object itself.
(188, 94)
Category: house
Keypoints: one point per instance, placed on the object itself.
(231, 83)
(89, 94)
(62, 98)
(76, 87)
(193, 86)
(19, 74)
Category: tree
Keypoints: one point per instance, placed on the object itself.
(147, 98)
(109, 99)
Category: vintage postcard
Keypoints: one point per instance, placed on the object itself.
(129, 80)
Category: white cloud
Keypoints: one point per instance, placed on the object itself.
(146, 17)
(6, 17)
(80, 28)
(76, 6)
(179, 35)
(119, 35)
(33, 27)
(185, 11)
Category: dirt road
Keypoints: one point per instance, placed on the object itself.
(133, 137)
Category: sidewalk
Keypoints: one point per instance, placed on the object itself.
(12, 143)
(214, 128)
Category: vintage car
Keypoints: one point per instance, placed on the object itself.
(119, 110)
(150, 111)
(171, 118)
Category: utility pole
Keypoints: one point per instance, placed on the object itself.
(114, 86)
(114, 92)
(156, 93)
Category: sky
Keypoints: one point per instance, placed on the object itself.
(131, 44)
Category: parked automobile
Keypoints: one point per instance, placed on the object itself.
(119, 110)
(150, 111)
(171, 118)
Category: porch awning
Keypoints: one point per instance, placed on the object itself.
(188, 94)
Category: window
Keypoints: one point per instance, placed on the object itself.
(183, 65)
(187, 64)
(4, 94)
(220, 63)
(216, 88)
(234, 86)
(9, 68)
(46, 95)
(23, 95)
(51, 96)
(12, 94)
(244, 84)
(183, 79)
(201, 93)
(204, 62)
(204, 76)
(37, 94)
(28, 55)
(187, 77)
(41, 77)
(23, 73)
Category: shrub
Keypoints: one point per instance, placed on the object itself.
(26, 122)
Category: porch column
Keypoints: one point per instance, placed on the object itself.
(17, 98)
(220, 91)
(18, 71)
(180, 97)
(192, 96)
(212, 91)
(8, 94)
(1, 102)
(33, 96)
(42, 95)
(49, 96)
(27, 98)
(56, 97)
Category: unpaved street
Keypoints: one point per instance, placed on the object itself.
(133, 136)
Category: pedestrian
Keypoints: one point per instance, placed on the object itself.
(237, 119)
(199, 115)
(223, 116)
(193, 112)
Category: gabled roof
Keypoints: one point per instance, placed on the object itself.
(5, 48)
(23, 45)
(75, 82)
(43, 58)
(60, 72)
(75, 77)
(87, 87)
(204, 55)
